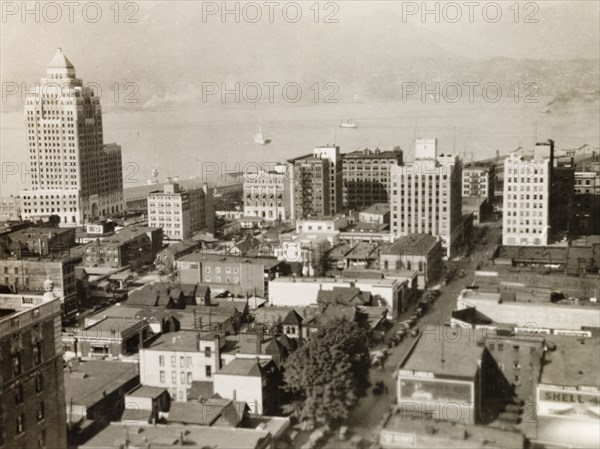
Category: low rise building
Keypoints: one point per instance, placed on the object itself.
(38, 241)
(300, 292)
(177, 359)
(240, 275)
(421, 252)
(10, 208)
(376, 213)
(132, 246)
(168, 256)
(253, 381)
(568, 394)
(108, 337)
(95, 395)
(450, 376)
(119, 435)
(181, 212)
(527, 312)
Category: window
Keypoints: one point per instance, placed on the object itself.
(19, 397)
(207, 351)
(500, 347)
(189, 362)
(21, 423)
(173, 361)
(173, 377)
(39, 383)
(41, 411)
(162, 377)
(16, 364)
(161, 360)
(208, 371)
(182, 362)
(37, 354)
(189, 378)
(182, 377)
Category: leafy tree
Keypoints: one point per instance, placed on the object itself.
(328, 374)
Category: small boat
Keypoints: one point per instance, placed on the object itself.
(348, 124)
(260, 138)
(546, 110)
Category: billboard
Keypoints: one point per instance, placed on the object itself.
(568, 402)
(436, 390)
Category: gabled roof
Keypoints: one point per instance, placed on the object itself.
(200, 390)
(292, 318)
(344, 296)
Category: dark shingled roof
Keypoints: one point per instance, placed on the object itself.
(292, 318)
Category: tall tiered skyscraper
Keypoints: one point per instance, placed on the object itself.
(73, 174)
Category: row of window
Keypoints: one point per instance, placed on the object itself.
(184, 377)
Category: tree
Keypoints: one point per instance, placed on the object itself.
(328, 374)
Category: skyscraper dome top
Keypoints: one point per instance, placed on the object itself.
(60, 61)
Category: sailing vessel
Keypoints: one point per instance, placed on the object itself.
(348, 124)
(546, 110)
(260, 138)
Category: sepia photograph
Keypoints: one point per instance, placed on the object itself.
(310, 224)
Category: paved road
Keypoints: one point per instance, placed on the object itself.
(370, 410)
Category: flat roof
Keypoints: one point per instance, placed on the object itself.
(88, 381)
(322, 280)
(574, 362)
(446, 351)
(455, 435)
(473, 201)
(200, 256)
(377, 208)
(244, 367)
(412, 244)
(144, 391)
(110, 323)
(119, 434)
(183, 340)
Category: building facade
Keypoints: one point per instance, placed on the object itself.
(32, 398)
(10, 208)
(478, 181)
(426, 196)
(316, 183)
(181, 212)
(74, 175)
(266, 194)
(526, 200)
(30, 275)
(177, 359)
(366, 175)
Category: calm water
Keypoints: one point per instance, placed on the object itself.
(179, 141)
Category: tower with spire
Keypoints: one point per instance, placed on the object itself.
(73, 174)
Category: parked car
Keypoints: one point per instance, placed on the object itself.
(343, 433)
(378, 388)
(414, 332)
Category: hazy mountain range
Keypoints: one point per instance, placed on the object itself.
(369, 53)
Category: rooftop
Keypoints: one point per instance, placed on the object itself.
(473, 201)
(244, 367)
(573, 363)
(445, 352)
(207, 412)
(371, 154)
(201, 256)
(118, 435)
(377, 208)
(412, 244)
(113, 325)
(144, 391)
(324, 280)
(187, 341)
(90, 381)
(453, 435)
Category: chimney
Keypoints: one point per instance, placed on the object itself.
(260, 333)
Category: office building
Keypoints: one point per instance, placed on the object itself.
(366, 175)
(266, 194)
(181, 213)
(32, 398)
(10, 208)
(478, 181)
(426, 196)
(74, 175)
